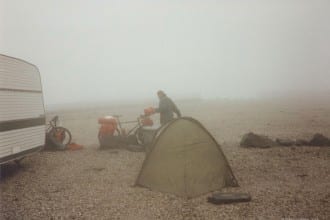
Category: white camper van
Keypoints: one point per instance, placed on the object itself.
(22, 113)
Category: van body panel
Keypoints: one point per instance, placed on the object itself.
(22, 113)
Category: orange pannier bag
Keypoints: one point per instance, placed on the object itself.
(108, 125)
(147, 122)
(149, 111)
(74, 146)
(108, 120)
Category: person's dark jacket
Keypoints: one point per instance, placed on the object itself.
(166, 109)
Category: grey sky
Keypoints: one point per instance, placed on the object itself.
(128, 49)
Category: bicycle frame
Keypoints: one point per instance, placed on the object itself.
(120, 128)
(52, 124)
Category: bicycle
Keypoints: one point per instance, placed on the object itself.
(135, 135)
(116, 136)
(57, 136)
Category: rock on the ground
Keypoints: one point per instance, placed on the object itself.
(319, 140)
(255, 140)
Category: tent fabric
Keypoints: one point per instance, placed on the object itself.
(184, 159)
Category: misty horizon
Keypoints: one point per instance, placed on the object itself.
(127, 50)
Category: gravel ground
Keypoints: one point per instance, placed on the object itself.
(284, 182)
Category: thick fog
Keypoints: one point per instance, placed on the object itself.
(128, 49)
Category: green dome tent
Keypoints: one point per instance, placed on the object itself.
(184, 159)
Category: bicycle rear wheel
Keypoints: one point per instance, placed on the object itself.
(61, 136)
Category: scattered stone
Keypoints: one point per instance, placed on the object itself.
(302, 175)
(255, 140)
